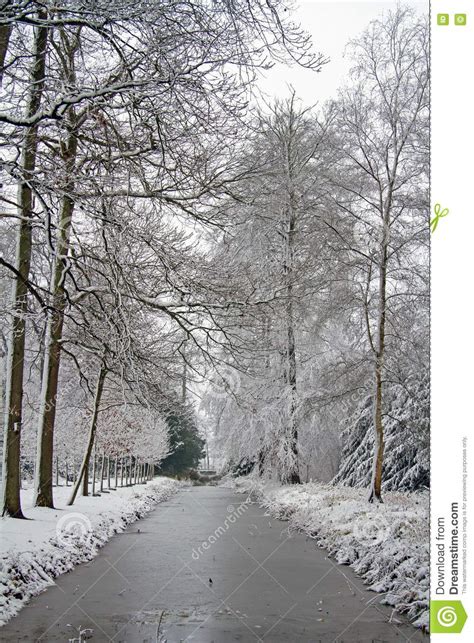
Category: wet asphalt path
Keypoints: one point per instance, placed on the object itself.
(153, 585)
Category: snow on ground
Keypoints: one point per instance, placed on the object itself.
(54, 541)
(386, 544)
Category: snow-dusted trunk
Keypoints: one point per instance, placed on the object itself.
(84, 470)
(108, 473)
(94, 473)
(375, 491)
(101, 473)
(54, 326)
(49, 391)
(135, 472)
(291, 474)
(85, 480)
(54, 330)
(5, 33)
(11, 504)
(184, 382)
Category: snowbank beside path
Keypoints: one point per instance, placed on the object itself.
(387, 545)
(34, 552)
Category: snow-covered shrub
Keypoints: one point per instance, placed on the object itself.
(406, 427)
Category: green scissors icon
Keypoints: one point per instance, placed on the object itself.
(439, 214)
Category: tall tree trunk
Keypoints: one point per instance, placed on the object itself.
(292, 476)
(375, 491)
(55, 322)
(92, 431)
(101, 474)
(11, 503)
(135, 472)
(94, 471)
(184, 382)
(85, 480)
(5, 33)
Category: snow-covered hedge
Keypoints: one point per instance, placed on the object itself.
(406, 437)
(387, 545)
(26, 571)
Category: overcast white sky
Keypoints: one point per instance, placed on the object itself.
(331, 25)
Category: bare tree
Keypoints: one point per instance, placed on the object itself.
(14, 392)
(381, 126)
(153, 61)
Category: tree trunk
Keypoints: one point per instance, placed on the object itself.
(54, 331)
(85, 481)
(108, 472)
(94, 471)
(375, 491)
(54, 326)
(261, 462)
(184, 382)
(292, 476)
(11, 503)
(83, 472)
(5, 33)
(135, 472)
(101, 474)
